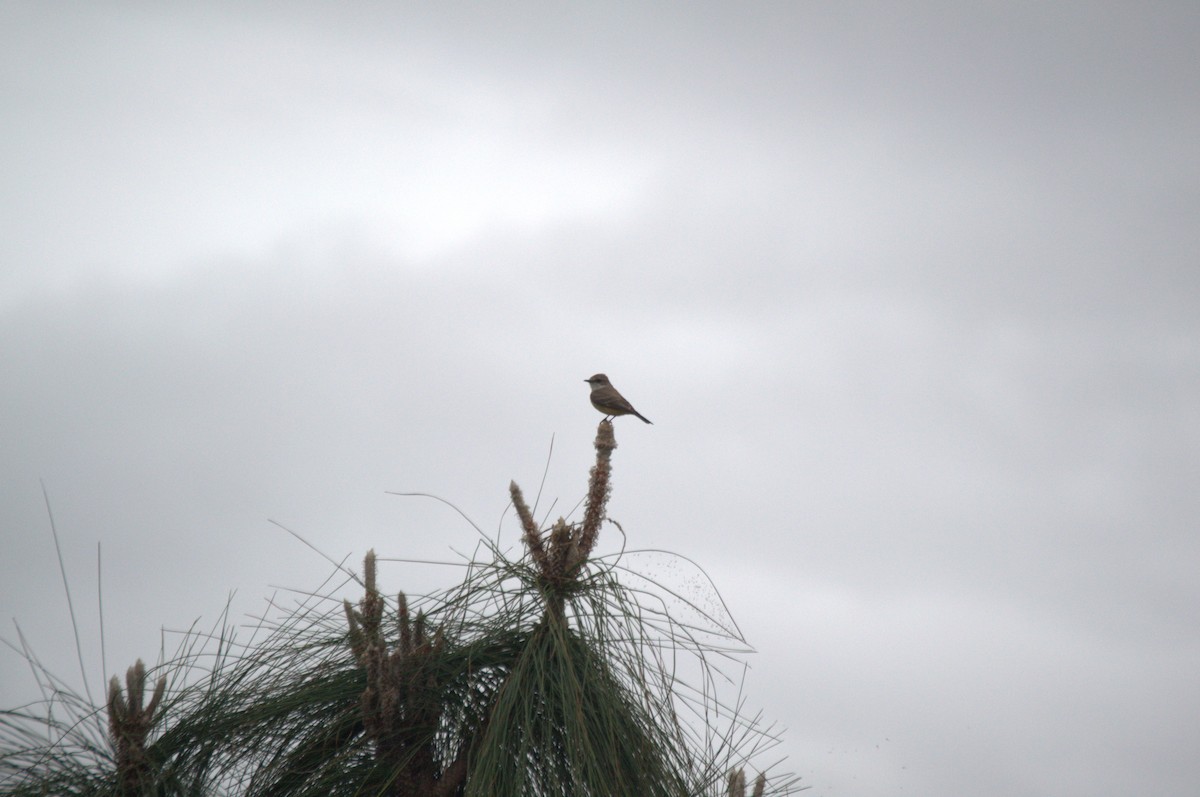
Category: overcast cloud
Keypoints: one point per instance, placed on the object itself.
(909, 290)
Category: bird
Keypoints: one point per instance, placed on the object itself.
(606, 399)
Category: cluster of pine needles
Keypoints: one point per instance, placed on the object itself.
(545, 676)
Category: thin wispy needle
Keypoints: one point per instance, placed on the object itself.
(62, 568)
(323, 555)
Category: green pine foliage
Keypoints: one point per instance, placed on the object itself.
(553, 675)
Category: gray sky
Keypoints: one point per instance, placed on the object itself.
(910, 292)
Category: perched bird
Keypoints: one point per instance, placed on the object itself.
(606, 398)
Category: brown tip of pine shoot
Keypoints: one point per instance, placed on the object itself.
(369, 571)
(116, 706)
(529, 529)
(402, 621)
(560, 544)
(599, 488)
(737, 783)
(358, 639)
(135, 686)
(130, 720)
(160, 688)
